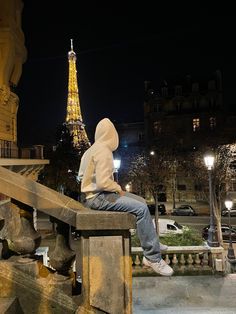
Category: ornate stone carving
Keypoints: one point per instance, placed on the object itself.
(12, 48)
(62, 257)
(4, 94)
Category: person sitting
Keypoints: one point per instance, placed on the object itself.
(102, 192)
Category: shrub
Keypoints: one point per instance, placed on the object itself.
(189, 237)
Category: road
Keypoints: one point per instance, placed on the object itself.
(197, 222)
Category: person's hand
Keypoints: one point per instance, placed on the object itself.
(122, 193)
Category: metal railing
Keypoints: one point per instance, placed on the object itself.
(35, 152)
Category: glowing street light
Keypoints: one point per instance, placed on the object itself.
(116, 163)
(230, 255)
(209, 160)
(212, 241)
(128, 187)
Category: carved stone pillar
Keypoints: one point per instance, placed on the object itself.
(63, 256)
(21, 237)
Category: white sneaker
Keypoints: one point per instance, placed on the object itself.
(161, 267)
(163, 247)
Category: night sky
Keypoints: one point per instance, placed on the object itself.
(118, 47)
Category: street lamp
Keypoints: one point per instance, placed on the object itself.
(212, 241)
(231, 256)
(128, 187)
(116, 163)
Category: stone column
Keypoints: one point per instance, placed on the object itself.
(105, 266)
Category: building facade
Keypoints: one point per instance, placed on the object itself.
(12, 56)
(187, 115)
(184, 117)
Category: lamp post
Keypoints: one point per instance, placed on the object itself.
(116, 163)
(230, 255)
(212, 241)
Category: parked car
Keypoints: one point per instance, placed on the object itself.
(225, 232)
(169, 226)
(225, 212)
(161, 209)
(184, 210)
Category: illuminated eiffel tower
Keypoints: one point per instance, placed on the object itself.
(74, 121)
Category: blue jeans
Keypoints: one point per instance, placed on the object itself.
(137, 206)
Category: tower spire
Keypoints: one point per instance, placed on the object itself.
(74, 120)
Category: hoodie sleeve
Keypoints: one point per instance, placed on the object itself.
(81, 170)
(104, 171)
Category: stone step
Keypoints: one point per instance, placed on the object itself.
(10, 306)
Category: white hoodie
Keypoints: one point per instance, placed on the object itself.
(96, 167)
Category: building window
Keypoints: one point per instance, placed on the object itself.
(178, 107)
(178, 90)
(164, 91)
(195, 103)
(198, 187)
(141, 137)
(212, 121)
(196, 124)
(157, 108)
(233, 186)
(181, 187)
(156, 128)
(212, 103)
(195, 87)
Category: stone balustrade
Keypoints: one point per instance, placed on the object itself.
(184, 260)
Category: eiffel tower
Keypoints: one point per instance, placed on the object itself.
(74, 121)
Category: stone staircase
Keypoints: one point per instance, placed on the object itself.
(104, 240)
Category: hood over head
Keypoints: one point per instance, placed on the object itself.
(106, 133)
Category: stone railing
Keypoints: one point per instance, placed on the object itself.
(189, 260)
(102, 256)
(185, 260)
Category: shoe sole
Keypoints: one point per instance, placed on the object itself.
(166, 275)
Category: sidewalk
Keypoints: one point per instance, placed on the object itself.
(185, 294)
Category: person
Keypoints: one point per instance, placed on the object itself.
(102, 192)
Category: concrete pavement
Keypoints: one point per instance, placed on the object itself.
(185, 294)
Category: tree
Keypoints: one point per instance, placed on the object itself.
(149, 174)
(64, 158)
(223, 172)
(152, 173)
